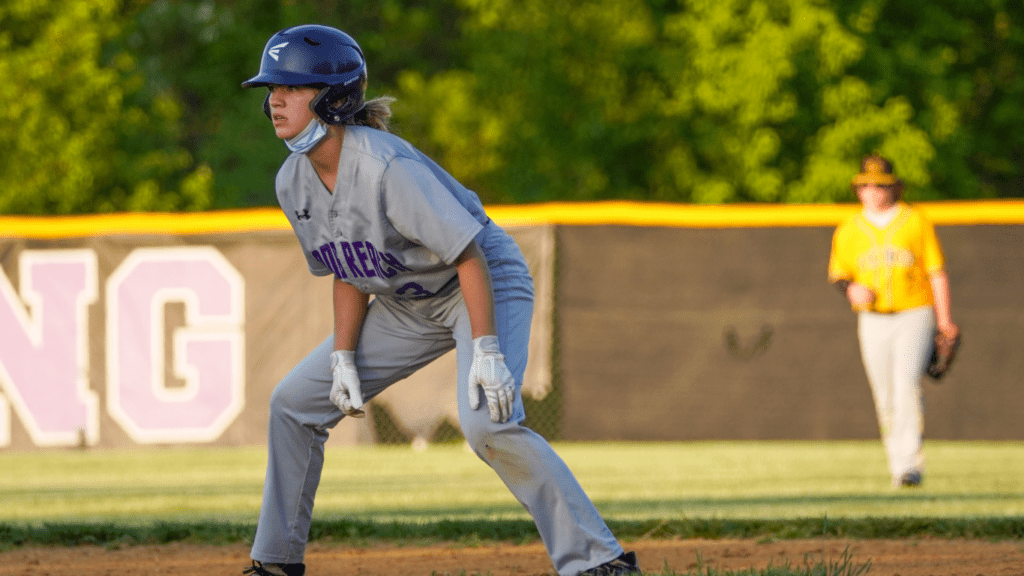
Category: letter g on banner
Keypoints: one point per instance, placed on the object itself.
(208, 352)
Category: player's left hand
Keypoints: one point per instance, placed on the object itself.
(489, 372)
(346, 392)
(949, 330)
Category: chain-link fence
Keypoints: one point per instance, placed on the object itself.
(543, 416)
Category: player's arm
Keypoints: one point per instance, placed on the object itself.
(841, 272)
(943, 313)
(933, 262)
(488, 371)
(477, 291)
(349, 313)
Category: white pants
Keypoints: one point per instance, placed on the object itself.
(895, 349)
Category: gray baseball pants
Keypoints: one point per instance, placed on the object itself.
(399, 337)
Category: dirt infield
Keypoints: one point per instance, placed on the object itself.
(914, 557)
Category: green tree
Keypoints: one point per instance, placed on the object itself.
(136, 104)
(959, 65)
(704, 101)
(74, 134)
(200, 51)
(555, 102)
(197, 53)
(684, 100)
(768, 108)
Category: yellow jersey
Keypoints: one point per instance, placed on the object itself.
(894, 261)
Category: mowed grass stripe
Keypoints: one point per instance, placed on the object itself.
(628, 481)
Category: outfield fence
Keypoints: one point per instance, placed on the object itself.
(653, 322)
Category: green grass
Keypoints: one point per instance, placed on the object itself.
(628, 482)
(764, 490)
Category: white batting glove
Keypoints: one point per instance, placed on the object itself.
(346, 392)
(489, 372)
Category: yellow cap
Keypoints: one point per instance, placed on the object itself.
(875, 170)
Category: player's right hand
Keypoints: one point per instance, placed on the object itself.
(860, 296)
(346, 392)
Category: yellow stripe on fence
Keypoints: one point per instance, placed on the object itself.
(187, 223)
(741, 215)
(612, 213)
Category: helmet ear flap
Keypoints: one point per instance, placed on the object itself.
(335, 104)
(266, 106)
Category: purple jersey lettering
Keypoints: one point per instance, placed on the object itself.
(350, 259)
(413, 290)
(359, 259)
(363, 256)
(376, 261)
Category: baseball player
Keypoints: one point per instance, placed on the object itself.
(889, 264)
(384, 220)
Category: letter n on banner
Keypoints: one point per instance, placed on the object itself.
(44, 340)
(208, 352)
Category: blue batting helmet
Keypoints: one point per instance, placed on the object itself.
(316, 55)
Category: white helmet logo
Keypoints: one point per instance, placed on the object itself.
(274, 51)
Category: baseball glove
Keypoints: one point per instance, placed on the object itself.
(943, 355)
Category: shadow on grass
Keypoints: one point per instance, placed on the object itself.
(796, 506)
(520, 531)
(796, 502)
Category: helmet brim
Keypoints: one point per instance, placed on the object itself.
(281, 78)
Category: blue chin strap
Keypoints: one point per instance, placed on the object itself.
(311, 136)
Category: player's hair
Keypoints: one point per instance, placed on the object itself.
(376, 113)
(896, 190)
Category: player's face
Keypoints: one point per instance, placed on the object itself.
(289, 109)
(875, 198)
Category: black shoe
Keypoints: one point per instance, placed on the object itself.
(911, 479)
(260, 569)
(622, 566)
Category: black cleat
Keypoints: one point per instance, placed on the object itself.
(622, 566)
(911, 479)
(260, 569)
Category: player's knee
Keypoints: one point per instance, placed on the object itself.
(283, 400)
(483, 445)
(489, 440)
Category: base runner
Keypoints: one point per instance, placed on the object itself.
(383, 219)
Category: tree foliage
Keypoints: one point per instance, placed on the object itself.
(201, 51)
(708, 101)
(958, 65)
(730, 100)
(74, 134)
(136, 104)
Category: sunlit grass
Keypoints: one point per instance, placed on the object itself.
(627, 481)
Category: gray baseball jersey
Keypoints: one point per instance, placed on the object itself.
(393, 227)
(394, 223)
